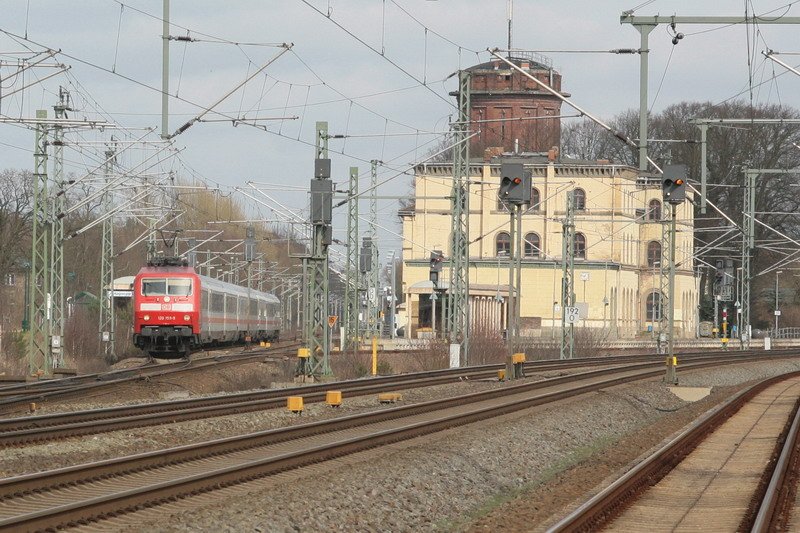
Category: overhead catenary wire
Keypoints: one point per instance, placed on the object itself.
(392, 62)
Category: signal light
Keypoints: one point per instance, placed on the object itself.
(436, 265)
(515, 184)
(673, 184)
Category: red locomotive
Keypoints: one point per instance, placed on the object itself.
(177, 310)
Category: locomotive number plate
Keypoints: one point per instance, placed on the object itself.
(163, 318)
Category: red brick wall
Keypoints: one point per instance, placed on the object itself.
(506, 94)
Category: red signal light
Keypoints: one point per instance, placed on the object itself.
(678, 181)
(517, 181)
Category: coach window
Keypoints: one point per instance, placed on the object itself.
(154, 287)
(217, 302)
(179, 287)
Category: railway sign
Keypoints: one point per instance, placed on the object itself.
(572, 314)
(726, 293)
(332, 320)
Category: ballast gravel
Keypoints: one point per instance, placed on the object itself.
(474, 477)
(87, 448)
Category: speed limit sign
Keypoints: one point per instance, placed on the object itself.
(572, 314)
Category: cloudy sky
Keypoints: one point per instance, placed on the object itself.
(378, 71)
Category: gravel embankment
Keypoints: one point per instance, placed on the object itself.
(518, 472)
(82, 449)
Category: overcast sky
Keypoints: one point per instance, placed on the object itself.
(330, 75)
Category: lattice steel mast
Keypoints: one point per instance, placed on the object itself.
(373, 303)
(351, 299)
(57, 242)
(107, 319)
(316, 265)
(567, 275)
(662, 303)
(457, 318)
(39, 358)
(748, 244)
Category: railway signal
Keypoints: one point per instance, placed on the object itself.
(437, 258)
(515, 184)
(673, 188)
(673, 184)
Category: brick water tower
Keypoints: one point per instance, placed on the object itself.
(508, 107)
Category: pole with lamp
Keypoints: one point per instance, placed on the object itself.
(392, 297)
(655, 306)
(502, 254)
(436, 259)
(777, 309)
(673, 188)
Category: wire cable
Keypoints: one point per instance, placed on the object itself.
(384, 56)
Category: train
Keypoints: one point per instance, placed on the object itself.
(177, 311)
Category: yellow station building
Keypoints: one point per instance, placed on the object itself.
(618, 225)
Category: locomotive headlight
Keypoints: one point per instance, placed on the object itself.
(146, 317)
(166, 299)
(187, 318)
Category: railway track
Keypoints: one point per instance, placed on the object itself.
(17, 397)
(40, 428)
(735, 469)
(90, 492)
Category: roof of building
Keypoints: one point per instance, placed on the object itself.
(443, 286)
(534, 62)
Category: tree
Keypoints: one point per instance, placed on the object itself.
(730, 150)
(16, 202)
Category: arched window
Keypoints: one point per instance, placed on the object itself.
(503, 244)
(532, 243)
(580, 199)
(654, 210)
(653, 307)
(653, 254)
(580, 246)
(535, 199)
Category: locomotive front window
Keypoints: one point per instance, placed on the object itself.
(179, 287)
(164, 287)
(154, 287)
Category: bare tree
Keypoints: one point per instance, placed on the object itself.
(16, 199)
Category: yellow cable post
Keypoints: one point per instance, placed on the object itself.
(374, 356)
